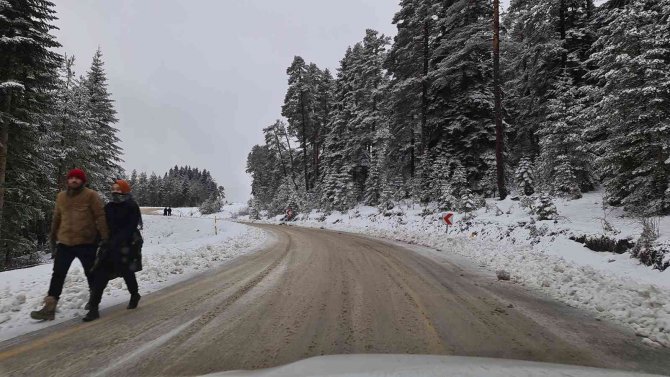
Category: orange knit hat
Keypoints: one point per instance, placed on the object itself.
(123, 185)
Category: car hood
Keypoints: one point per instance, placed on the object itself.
(424, 366)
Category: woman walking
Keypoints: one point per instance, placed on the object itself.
(121, 257)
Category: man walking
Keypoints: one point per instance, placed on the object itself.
(78, 222)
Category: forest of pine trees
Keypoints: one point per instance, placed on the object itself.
(51, 120)
(179, 187)
(586, 104)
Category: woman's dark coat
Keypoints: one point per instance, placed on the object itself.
(123, 254)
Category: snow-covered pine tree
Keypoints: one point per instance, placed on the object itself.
(105, 153)
(544, 39)
(629, 124)
(361, 80)
(524, 177)
(563, 165)
(28, 76)
(298, 109)
(409, 94)
(462, 82)
(545, 208)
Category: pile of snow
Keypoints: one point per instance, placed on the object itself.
(174, 249)
(538, 254)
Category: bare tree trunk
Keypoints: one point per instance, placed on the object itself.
(412, 163)
(290, 154)
(304, 139)
(424, 87)
(281, 158)
(4, 152)
(315, 152)
(562, 30)
(500, 166)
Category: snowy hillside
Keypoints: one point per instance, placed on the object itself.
(175, 249)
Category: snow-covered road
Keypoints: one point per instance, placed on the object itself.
(315, 292)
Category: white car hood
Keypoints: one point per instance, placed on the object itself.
(424, 366)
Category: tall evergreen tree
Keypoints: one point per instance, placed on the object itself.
(28, 75)
(105, 153)
(463, 85)
(545, 38)
(630, 119)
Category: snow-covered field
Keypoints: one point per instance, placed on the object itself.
(228, 211)
(538, 254)
(174, 249)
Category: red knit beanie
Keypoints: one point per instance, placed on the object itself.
(123, 185)
(77, 173)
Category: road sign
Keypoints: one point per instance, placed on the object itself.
(447, 218)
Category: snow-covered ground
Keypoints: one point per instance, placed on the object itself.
(538, 254)
(174, 249)
(228, 211)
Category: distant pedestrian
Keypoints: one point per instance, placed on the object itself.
(122, 257)
(165, 211)
(78, 222)
(169, 211)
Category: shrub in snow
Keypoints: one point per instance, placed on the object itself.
(459, 181)
(503, 275)
(469, 202)
(646, 250)
(604, 243)
(564, 179)
(211, 205)
(493, 208)
(447, 200)
(524, 178)
(545, 208)
(528, 203)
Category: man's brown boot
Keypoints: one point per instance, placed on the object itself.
(48, 312)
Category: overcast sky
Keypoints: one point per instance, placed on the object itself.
(196, 81)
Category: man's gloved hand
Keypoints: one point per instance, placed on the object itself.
(53, 247)
(100, 254)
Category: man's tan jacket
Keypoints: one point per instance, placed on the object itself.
(78, 218)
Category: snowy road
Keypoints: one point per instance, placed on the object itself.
(316, 292)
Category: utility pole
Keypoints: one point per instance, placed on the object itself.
(500, 166)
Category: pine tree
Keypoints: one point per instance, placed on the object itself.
(28, 75)
(462, 82)
(524, 177)
(409, 94)
(545, 39)
(298, 108)
(630, 120)
(105, 153)
(563, 164)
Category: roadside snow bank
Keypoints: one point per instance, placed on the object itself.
(174, 249)
(535, 253)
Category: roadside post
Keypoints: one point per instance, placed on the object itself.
(446, 218)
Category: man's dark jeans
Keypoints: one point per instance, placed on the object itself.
(64, 257)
